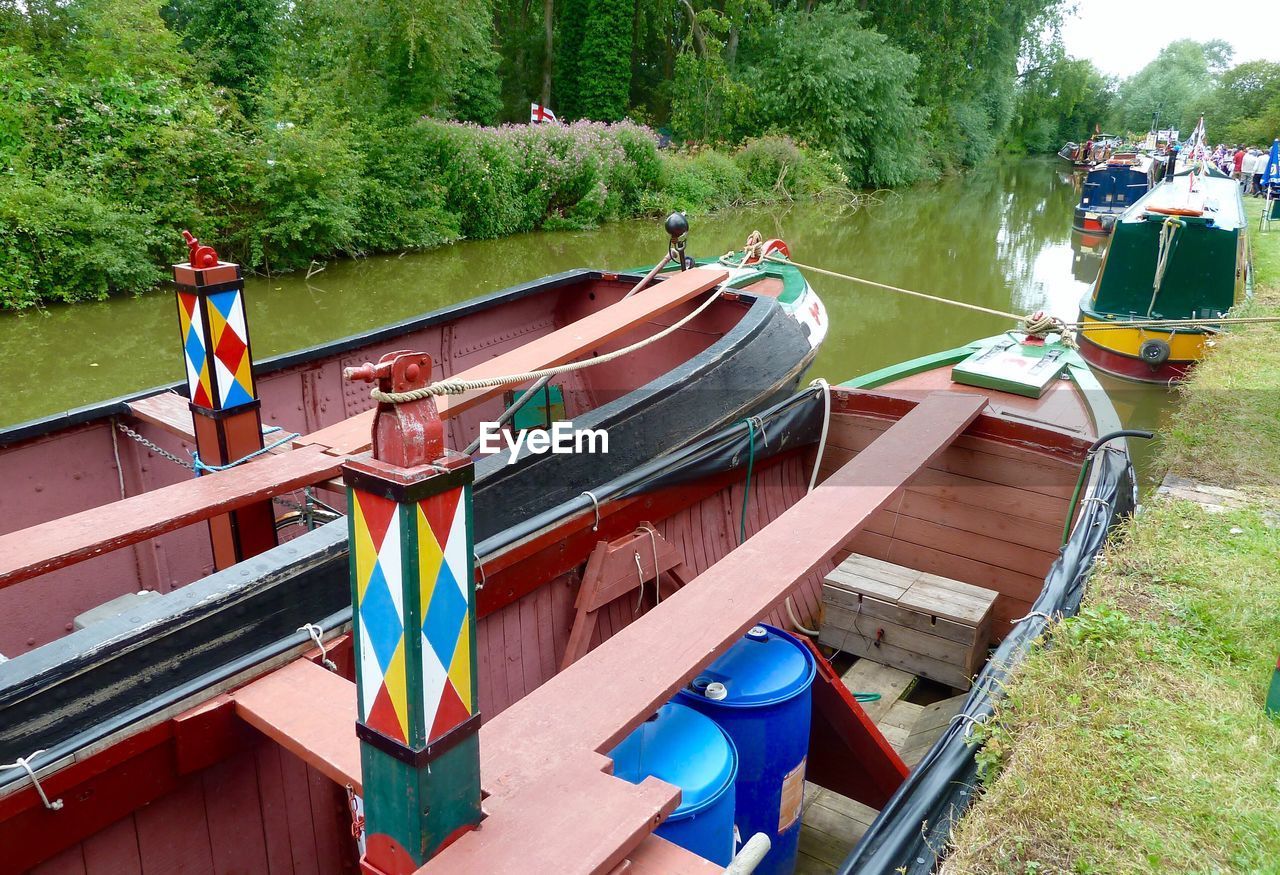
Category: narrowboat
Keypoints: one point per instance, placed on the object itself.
(1179, 253)
(228, 725)
(1111, 188)
(1076, 155)
(756, 330)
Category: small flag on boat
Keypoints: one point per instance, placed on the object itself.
(539, 114)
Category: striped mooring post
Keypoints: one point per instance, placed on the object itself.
(414, 619)
(225, 409)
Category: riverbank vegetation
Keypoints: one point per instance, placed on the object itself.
(1136, 741)
(284, 133)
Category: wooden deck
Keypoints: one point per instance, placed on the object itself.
(832, 824)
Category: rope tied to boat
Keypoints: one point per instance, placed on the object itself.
(458, 387)
(315, 631)
(24, 763)
(1030, 321)
(1167, 242)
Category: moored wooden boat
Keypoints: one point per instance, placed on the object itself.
(1179, 253)
(747, 348)
(971, 481)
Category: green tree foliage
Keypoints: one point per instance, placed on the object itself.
(1178, 85)
(1059, 99)
(1247, 104)
(604, 93)
(233, 41)
(829, 82)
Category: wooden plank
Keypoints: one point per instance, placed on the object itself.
(858, 633)
(168, 411)
(114, 850)
(868, 676)
(932, 594)
(275, 820)
(234, 815)
(972, 457)
(41, 548)
(172, 836)
(310, 712)
(334, 845)
(902, 715)
(840, 598)
(911, 661)
(572, 820)
(352, 435)
(688, 630)
(297, 798)
(69, 862)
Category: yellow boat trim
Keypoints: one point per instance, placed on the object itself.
(1185, 346)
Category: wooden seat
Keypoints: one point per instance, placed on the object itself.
(563, 345)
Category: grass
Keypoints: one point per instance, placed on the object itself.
(1228, 432)
(1137, 741)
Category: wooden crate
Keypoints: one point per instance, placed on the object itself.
(931, 626)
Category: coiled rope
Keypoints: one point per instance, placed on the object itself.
(458, 387)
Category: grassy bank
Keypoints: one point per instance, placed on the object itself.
(1137, 741)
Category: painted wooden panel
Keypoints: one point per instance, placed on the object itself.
(114, 850)
(231, 800)
(173, 833)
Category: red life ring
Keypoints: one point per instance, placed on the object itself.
(1175, 211)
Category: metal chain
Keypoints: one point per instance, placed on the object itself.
(159, 451)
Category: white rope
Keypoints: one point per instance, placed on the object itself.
(826, 424)
(315, 631)
(25, 764)
(458, 387)
(1042, 614)
(595, 502)
(969, 722)
(813, 481)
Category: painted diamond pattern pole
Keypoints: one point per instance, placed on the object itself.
(413, 590)
(224, 401)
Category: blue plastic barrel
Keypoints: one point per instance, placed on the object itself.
(684, 748)
(760, 693)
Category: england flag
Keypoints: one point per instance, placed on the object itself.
(539, 114)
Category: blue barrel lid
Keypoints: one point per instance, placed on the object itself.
(682, 747)
(765, 667)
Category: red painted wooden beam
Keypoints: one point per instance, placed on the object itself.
(352, 435)
(310, 712)
(36, 550)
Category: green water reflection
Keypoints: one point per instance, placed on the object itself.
(999, 236)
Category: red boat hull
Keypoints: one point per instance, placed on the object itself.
(1130, 368)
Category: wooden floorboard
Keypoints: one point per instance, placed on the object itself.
(832, 824)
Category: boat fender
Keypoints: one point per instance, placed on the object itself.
(1154, 352)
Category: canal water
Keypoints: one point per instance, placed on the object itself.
(999, 236)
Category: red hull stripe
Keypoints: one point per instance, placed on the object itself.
(1132, 368)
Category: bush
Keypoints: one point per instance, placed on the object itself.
(698, 184)
(771, 164)
(61, 243)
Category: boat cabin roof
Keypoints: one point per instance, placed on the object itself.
(1216, 197)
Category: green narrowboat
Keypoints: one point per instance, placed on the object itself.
(1179, 253)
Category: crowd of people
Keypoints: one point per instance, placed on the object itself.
(1244, 164)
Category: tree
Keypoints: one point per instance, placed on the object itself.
(1247, 103)
(1177, 84)
(233, 39)
(604, 63)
